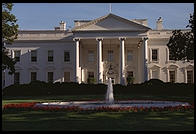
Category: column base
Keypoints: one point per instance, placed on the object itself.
(122, 81)
(100, 81)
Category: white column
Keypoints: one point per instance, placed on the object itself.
(77, 69)
(150, 55)
(185, 75)
(122, 61)
(139, 72)
(12, 54)
(83, 75)
(167, 55)
(150, 71)
(99, 61)
(168, 75)
(145, 51)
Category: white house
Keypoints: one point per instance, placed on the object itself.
(107, 47)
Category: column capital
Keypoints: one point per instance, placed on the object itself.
(99, 39)
(76, 39)
(122, 38)
(144, 38)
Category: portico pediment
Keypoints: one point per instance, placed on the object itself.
(111, 22)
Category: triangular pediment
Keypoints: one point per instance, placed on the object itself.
(111, 22)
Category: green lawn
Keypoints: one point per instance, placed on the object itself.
(140, 121)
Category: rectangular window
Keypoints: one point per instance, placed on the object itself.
(130, 73)
(50, 76)
(90, 74)
(154, 54)
(67, 56)
(110, 55)
(16, 78)
(90, 56)
(129, 56)
(155, 74)
(50, 55)
(172, 76)
(33, 76)
(3, 78)
(33, 55)
(17, 55)
(189, 76)
(66, 76)
(170, 56)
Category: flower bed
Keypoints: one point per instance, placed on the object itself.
(32, 106)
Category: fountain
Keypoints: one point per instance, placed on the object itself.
(109, 102)
(109, 94)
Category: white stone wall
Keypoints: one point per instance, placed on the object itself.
(42, 43)
(42, 66)
(164, 62)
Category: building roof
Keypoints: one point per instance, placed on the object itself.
(95, 21)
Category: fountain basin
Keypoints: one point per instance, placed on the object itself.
(116, 104)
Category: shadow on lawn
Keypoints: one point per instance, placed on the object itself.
(141, 121)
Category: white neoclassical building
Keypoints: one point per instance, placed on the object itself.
(107, 47)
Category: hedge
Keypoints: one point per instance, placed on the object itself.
(151, 87)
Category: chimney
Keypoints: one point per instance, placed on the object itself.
(159, 24)
(62, 25)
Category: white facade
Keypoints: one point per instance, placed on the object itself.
(92, 47)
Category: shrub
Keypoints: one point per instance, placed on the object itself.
(130, 80)
(151, 87)
(91, 80)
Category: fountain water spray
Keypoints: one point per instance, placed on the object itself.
(109, 94)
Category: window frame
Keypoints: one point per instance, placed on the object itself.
(67, 80)
(34, 58)
(32, 76)
(157, 56)
(170, 76)
(91, 76)
(157, 71)
(52, 77)
(191, 76)
(89, 56)
(51, 58)
(130, 72)
(65, 57)
(3, 78)
(17, 58)
(15, 78)
(129, 51)
(110, 55)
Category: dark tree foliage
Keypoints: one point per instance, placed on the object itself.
(181, 44)
(9, 33)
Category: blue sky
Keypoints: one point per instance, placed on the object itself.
(48, 15)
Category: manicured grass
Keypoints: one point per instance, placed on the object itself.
(126, 121)
(140, 121)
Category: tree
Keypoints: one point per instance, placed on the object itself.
(9, 33)
(181, 44)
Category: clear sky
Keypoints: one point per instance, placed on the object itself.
(48, 15)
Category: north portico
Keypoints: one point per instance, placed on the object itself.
(106, 47)
(114, 36)
(101, 48)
